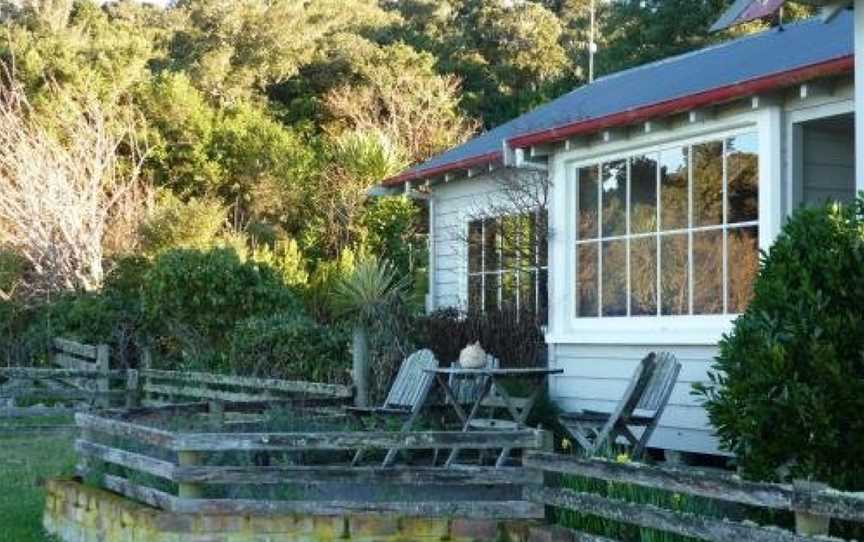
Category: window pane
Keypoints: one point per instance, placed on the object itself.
(475, 246)
(508, 290)
(490, 301)
(643, 194)
(491, 249)
(588, 279)
(588, 202)
(674, 287)
(543, 295)
(615, 278)
(674, 195)
(708, 184)
(475, 292)
(743, 245)
(614, 188)
(708, 272)
(643, 276)
(528, 291)
(542, 238)
(742, 166)
(510, 241)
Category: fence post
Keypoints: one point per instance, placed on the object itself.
(146, 364)
(806, 523)
(133, 389)
(103, 365)
(217, 413)
(189, 491)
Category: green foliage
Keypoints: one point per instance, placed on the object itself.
(290, 346)
(372, 292)
(195, 224)
(205, 294)
(287, 259)
(391, 224)
(787, 389)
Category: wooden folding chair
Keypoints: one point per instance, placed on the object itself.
(467, 390)
(641, 406)
(406, 397)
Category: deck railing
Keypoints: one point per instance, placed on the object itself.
(811, 500)
(308, 472)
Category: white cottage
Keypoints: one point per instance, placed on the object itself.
(664, 182)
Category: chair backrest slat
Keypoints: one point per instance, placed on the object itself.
(411, 380)
(638, 384)
(661, 384)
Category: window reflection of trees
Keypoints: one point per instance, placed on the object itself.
(671, 233)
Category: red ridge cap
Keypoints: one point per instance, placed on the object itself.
(834, 66)
(487, 158)
(692, 101)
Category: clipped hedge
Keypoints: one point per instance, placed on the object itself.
(786, 393)
(291, 346)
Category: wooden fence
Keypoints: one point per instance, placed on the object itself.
(807, 499)
(187, 472)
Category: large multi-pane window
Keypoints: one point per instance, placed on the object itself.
(507, 263)
(671, 232)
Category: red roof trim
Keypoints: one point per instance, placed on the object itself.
(835, 66)
(685, 103)
(483, 159)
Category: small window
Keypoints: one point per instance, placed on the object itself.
(507, 263)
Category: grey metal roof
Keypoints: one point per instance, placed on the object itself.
(773, 51)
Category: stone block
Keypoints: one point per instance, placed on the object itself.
(372, 525)
(425, 528)
(474, 529)
(550, 533)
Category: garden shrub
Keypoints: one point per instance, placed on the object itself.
(291, 346)
(204, 294)
(195, 224)
(786, 392)
(515, 338)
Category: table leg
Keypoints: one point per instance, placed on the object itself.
(519, 417)
(450, 396)
(487, 386)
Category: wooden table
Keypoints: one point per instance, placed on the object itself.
(519, 409)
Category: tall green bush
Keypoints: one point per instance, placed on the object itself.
(205, 294)
(290, 346)
(786, 393)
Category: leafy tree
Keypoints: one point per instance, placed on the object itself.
(787, 389)
(195, 224)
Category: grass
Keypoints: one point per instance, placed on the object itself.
(24, 462)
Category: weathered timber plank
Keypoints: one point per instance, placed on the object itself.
(289, 386)
(470, 510)
(653, 517)
(147, 495)
(39, 373)
(206, 393)
(75, 348)
(110, 426)
(123, 458)
(35, 412)
(358, 475)
(707, 484)
(72, 363)
(357, 440)
(35, 430)
(168, 408)
(59, 394)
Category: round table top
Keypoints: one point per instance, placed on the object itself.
(516, 372)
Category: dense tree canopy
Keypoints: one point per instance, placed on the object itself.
(276, 117)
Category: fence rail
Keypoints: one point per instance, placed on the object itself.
(806, 498)
(315, 484)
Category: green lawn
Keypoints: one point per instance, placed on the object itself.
(24, 462)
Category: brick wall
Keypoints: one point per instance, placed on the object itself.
(78, 513)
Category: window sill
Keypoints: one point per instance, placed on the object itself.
(667, 330)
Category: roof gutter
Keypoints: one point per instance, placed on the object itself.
(835, 66)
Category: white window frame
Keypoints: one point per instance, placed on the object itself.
(565, 326)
